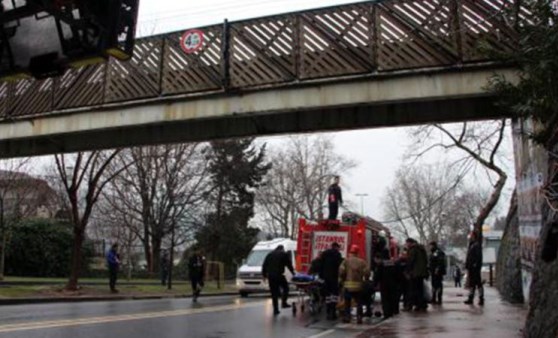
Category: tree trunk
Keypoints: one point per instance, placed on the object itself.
(171, 259)
(147, 253)
(3, 253)
(156, 250)
(76, 260)
(129, 259)
(490, 204)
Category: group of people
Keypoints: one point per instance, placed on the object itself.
(196, 269)
(398, 276)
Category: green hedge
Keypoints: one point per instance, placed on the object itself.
(42, 248)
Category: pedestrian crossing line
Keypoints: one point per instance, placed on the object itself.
(119, 318)
(322, 334)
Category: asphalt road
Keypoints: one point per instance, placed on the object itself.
(211, 317)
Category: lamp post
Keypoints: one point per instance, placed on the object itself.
(361, 202)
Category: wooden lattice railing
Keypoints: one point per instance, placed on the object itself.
(364, 38)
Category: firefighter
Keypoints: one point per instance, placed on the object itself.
(352, 273)
(273, 270)
(473, 264)
(437, 272)
(334, 198)
(330, 262)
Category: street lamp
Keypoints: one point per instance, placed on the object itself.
(361, 202)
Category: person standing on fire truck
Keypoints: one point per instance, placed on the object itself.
(334, 198)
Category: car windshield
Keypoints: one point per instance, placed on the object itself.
(257, 257)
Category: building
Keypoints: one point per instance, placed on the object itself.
(25, 196)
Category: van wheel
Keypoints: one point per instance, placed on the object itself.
(243, 294)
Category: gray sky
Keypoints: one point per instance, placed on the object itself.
(379, 152)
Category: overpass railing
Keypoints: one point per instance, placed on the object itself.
(365, 38)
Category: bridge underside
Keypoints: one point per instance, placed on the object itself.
(398, 100)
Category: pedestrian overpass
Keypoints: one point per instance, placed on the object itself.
(368, 64)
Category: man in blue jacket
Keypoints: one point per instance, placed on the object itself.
(113, 262)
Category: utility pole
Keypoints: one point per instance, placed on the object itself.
(361, 202)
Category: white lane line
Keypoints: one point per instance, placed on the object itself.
(110, 319)
(322, 334)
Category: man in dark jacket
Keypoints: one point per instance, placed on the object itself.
(473, 264)
(334, 198)
(416, 272)
(385, 276)
(331, 260)
(113, 262)
(437, 272)
(457, 276)
(196, 270)
(273, 270)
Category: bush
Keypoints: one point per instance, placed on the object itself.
(42, 248)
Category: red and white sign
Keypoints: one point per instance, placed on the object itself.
(192, 41)
(323, 239)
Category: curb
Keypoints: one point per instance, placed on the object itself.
(45, 300)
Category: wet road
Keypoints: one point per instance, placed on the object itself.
(211, 317)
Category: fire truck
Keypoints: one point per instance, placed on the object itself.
(353, 229)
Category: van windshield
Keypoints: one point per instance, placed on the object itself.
(256, 258)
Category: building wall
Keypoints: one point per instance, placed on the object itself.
(530, 168)
(536, 218)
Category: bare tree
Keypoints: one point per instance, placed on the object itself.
(420, 200)
(296, 185)
(83, 178)
(159, 196)
(480, 143)
(434, 202)
(468, 201)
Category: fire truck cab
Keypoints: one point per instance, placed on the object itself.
(353, 229)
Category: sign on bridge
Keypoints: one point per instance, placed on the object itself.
(192, 41)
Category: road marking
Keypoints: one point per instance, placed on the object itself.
(110, 319)
(323, 334)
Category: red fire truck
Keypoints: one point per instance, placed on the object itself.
(353, 229)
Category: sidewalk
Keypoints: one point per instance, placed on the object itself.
(454, 319)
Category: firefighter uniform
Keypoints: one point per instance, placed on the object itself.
(352, 273)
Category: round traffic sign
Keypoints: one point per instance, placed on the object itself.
(191, 41)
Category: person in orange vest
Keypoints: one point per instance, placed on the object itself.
(334, 198)
(352, 273)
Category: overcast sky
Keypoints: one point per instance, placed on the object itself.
(379, 152)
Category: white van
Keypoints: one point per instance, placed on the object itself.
(249, 277)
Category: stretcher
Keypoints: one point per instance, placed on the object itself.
(309, 295)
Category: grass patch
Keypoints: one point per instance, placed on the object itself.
(140, 289)
(21, 291)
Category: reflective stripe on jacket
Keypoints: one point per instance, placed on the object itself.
(352, 272)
